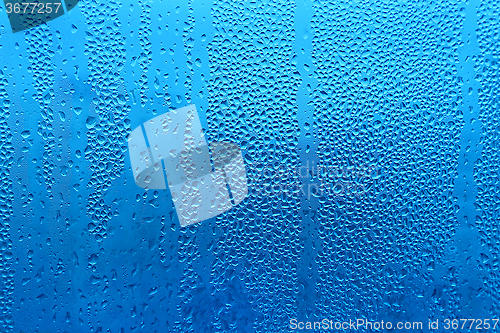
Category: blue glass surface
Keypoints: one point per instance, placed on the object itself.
(369, 131)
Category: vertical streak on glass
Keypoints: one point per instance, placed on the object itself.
(6, 201)
(40, 43)
(197, 33)
(188, 50)
(307, 147)
(167, 18)
(484, 96)
(253, 102)
(466, 240)
(188, 251)
(106, 139)
(146, 55)
(42, 222)
(105, 79)
(387, 97)
(54, 129)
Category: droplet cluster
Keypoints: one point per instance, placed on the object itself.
(41, 67)
(146, 55)
(387, 97)
(106, 128)
(6, 210)
(486, 169)
(252, 96)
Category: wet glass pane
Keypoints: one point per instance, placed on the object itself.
(249, 166)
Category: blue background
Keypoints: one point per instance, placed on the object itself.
(407, 87)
